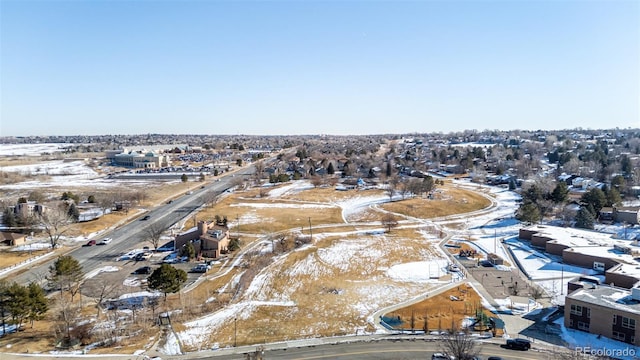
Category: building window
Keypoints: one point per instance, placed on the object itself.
(588, 313)
(632, 339)
(583, 326)
(617, 336)
(615, 319)
(570, 323)
(576, 310)
(628, 323)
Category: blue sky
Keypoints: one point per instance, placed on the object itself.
(333, 67)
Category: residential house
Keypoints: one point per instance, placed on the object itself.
(12, 239)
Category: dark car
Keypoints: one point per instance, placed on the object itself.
(145, 270)
(494, 358)
(521, 344)
(90, 243)
(146, 217)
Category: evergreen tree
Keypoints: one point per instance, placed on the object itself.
(91, 199)
(528, 212)
(38, 304)
(560, 193)
(330, 169)
(189, 251)
(388, 171)
(9, 218)
(73, 212)
(184, 178)
(512, 184)
(66, 274)
(596, 198)
(613, 197)
(167, 279)
(17, 297)
(4, 303)
(584, 219)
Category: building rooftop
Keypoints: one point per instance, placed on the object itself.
(608, 297)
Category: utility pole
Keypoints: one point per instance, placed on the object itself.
(235, 332)
(310, 232)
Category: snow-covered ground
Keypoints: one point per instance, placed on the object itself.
(595, 345)
(31, 149)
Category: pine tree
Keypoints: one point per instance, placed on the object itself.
(17, 297)
(330, 169)
(73, 212)
(9, 218)
(66, 274)
(184, 178)
(38, 304)
(167, 279)
(560, 192)
(584, 219)
(528, 212)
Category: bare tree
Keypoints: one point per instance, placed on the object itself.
(153, 234)
(106, 290)
(259, 166)
(389, 221)
(55, 222)
(460, 345)
(392, 184)
(316, 181)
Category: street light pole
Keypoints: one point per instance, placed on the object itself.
(235, 332)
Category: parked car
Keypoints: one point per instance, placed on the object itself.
(441, 356)
(146, 217)
(200, 268)
(145, 270)
(518, 343)
(142, 256)
(90, 243)
(104, 241)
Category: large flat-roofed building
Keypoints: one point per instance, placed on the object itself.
(618, 259)
(604, 310)
(148, 160)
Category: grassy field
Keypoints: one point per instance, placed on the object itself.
(330, 282)
(440, 312)
(452, 201)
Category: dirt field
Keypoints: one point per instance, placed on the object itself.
(440, 313)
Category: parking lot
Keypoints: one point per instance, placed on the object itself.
(125, 282)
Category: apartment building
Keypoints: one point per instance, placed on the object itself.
(604, 310)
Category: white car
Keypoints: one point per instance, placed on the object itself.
(105, 241)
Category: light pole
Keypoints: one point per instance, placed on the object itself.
(235, 332)
(310, 233)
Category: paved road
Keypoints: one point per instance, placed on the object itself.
(377, 348)
(132, 234)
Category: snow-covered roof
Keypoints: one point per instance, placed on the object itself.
(608, 297)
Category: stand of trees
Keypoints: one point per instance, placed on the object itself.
(19, 304)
